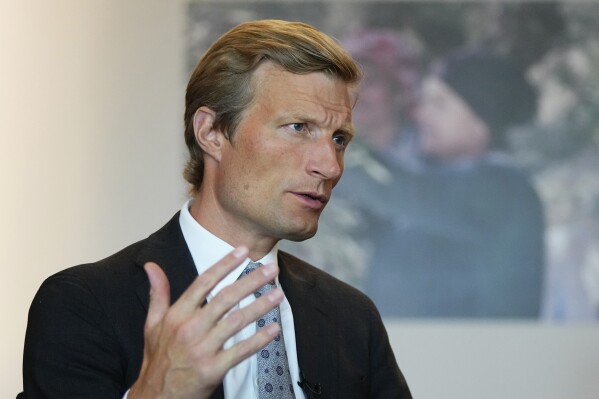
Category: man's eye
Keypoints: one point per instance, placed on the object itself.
(340, 140)
(298, 127)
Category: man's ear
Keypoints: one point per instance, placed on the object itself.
(208, 138)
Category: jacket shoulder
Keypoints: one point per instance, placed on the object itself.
(331, 287)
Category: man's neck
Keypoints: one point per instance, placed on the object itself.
(232, 233)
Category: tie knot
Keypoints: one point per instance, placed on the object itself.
(251, 266)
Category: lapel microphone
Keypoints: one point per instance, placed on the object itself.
(304, 384)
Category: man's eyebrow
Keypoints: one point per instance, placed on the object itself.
(303, 118)
(292, 117)
(349, 131)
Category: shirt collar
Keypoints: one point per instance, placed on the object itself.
(207, 249)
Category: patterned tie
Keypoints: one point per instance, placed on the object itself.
(274, 379)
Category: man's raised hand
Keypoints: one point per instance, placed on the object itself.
(183, 350)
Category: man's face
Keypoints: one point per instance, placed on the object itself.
(276, 173)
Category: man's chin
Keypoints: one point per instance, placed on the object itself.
(298, 236)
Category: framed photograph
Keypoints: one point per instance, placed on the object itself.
(471, 189)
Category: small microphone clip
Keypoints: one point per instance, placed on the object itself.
(304, 384)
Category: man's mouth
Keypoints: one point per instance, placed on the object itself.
(315, 196)
(312, 199)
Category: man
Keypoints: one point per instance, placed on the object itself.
(268, 118)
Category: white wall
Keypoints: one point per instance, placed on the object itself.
(90, 140)
(493, 360)
(91, 100)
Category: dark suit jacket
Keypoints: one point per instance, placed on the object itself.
(85, 330)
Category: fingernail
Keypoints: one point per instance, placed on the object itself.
(269, 269)
(273, 328)
(275, 295)
(240, 252)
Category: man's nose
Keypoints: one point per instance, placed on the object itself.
(325, 161)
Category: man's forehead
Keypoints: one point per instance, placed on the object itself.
(268, 71)
(354, 94)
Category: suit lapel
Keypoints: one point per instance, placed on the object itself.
(314, 323)
(168, 249)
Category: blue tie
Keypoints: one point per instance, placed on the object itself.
(274, 379)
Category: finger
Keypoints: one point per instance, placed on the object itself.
(159, 294)
(237, 320)
(198, 291)
(230, 296)
(204, 319)
(198, 326)
(226, 359)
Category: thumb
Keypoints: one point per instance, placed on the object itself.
(159, 294)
